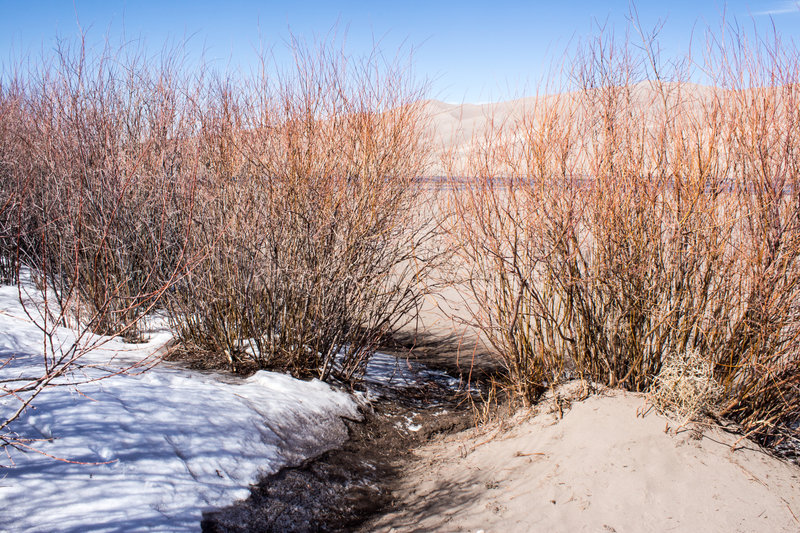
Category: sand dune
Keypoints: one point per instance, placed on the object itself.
(454, 127)
(603, 467)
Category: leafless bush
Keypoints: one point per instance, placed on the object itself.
(506, 231)
(642, 215)
(758, 363)
(312, 216)
(12, 185)
(109, 146)
(99, 158)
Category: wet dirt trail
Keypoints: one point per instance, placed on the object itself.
(408, 404)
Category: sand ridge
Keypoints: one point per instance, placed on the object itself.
(604, 467)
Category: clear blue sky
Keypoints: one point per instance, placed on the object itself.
(471, 51)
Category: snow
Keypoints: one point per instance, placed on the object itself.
(157, 447)
(385, 371)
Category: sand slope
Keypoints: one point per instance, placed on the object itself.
(454, 128)
(600, 468)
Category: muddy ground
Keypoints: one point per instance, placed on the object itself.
(343, 488)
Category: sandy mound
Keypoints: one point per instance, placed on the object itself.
(603, 467)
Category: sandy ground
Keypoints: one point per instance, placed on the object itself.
(604, 466)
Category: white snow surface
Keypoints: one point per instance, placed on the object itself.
(159, 447)
(387, 371)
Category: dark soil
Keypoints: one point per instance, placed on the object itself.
(343, 488)
(207, 360)
(465, 359)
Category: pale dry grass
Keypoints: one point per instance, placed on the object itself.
(685, 387)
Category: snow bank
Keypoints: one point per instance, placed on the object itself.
(161, 446)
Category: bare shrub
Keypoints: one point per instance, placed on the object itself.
(12, 184)
(312, 216)
(758, 363)
(101, 168)
(642, 215)
(506, 230)
(109, 148)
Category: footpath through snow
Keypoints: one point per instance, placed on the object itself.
(159, 447)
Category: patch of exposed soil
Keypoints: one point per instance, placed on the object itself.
(343, 488)
(207, 360)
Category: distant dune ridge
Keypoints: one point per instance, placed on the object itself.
(455, 128)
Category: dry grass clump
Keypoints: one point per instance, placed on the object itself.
(685, 387)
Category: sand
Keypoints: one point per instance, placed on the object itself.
(602, 467)
(455, 128)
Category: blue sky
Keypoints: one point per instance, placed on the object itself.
(470, 51)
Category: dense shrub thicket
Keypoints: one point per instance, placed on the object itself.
(98, 177)
(311, 217)
(275, 219)
(279, 214)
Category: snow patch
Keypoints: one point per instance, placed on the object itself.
(159, 447)
(385, 371)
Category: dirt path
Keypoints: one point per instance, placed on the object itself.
(343, 488)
